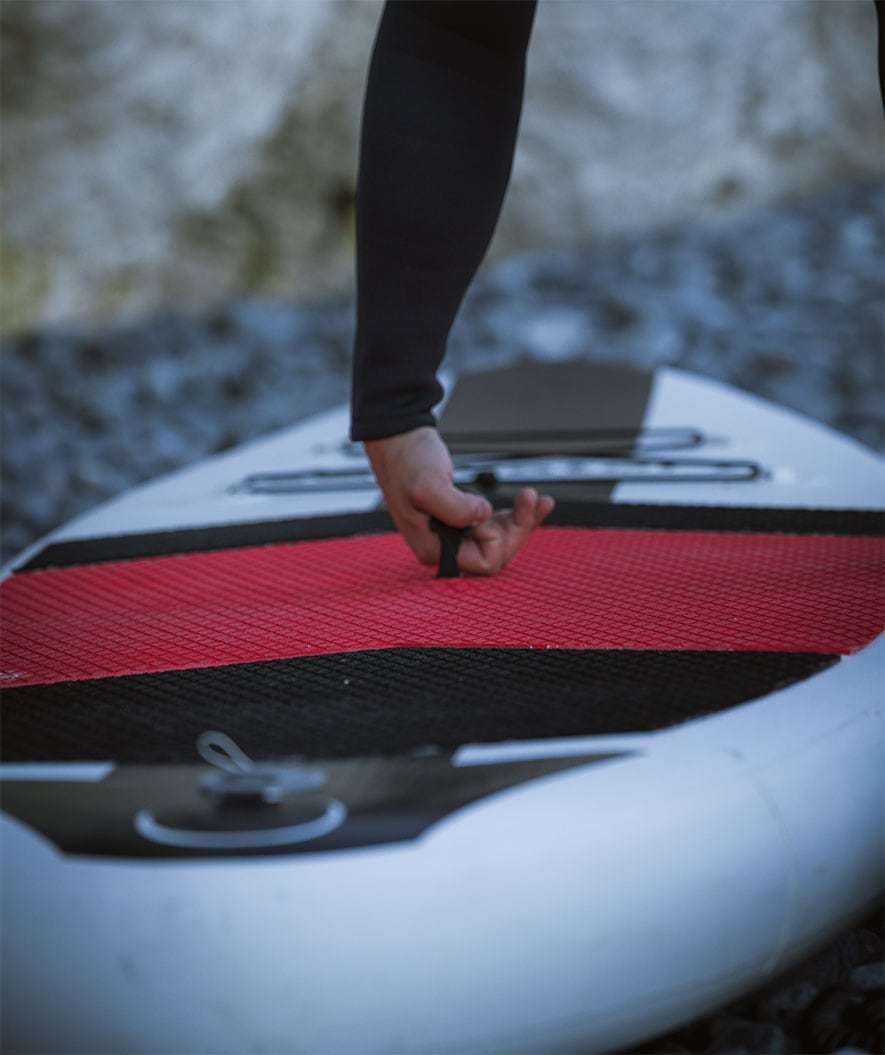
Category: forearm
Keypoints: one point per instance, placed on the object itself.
(441, 114)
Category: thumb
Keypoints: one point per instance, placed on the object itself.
(456, 508)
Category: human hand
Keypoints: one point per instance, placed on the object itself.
(414, 472)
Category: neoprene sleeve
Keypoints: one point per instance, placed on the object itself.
(440, 118)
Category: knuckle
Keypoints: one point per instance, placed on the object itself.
(487, 566)
(420, 492)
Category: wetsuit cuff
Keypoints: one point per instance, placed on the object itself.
(361, 431)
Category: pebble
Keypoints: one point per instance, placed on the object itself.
(787, 303)
(869, 977)
(738, 1036)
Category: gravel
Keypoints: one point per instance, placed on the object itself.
(786, 303)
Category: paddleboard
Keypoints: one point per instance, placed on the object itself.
(269, 784)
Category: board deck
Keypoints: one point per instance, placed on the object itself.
(430, 810)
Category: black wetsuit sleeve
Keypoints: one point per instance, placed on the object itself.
(440, 117)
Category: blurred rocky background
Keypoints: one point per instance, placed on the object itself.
(161, 155)
(698, 183)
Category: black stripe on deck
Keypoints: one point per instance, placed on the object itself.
(387, 701)
(852, 522)
(744, 519)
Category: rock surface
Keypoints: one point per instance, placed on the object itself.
(121, 122)
(168, 156)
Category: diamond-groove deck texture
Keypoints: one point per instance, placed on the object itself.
(386, 701)
(570, 588)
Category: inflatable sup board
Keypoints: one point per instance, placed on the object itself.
(271, 785)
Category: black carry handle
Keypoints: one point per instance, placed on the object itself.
(449, 543)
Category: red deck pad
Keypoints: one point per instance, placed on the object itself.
(569, 588)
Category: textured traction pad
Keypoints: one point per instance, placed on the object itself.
(570, 588)
(387, 702)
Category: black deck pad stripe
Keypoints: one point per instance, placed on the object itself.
(386, 702)
(202, 539)
(777, 520)
(567, 514)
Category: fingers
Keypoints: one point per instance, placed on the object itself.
(441, 499)
(414, 472)
(494, 543)
(446, 503)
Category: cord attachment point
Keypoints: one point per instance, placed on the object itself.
(240, 782)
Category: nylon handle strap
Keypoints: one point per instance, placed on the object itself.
(449, 544)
